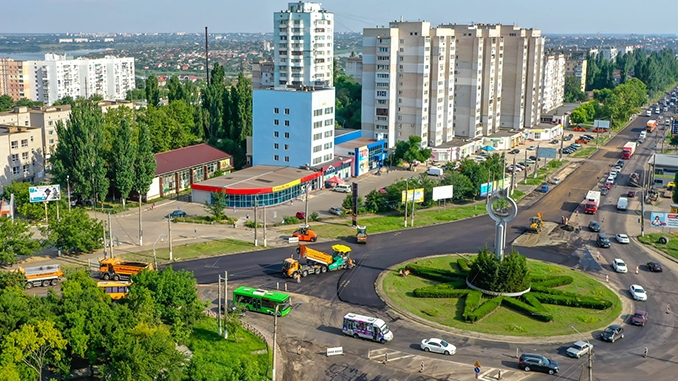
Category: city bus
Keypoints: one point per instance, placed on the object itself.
(115, 289)
(365, 327)
(263, 301)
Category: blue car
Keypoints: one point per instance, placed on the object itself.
(544, 188)
(177, 213)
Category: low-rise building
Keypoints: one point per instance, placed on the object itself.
(21, 155)
(664, 168)
(368, 154)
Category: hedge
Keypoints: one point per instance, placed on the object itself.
(463, 265)
(531, 311)
(531, 300)
(439, 292)
(484, 309)
(553, 291)
(573, 301)
(471, 303)
(555, 281)
(433, 274)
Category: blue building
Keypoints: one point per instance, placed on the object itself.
(368, 154)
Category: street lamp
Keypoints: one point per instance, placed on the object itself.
(590, 353)
(155, 258)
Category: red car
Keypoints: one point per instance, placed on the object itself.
(632, 194)
(301, 215)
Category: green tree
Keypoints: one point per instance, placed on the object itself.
(30, 210)
(77, 232)
(578, 115)
(241, 99)
(507, 275)
(96, 97)
(674, 196)
(461, 185)
(35, 346)
(16, 240)
(6, 102)
(181, 129)
(152, 91)
(135, 95)
(144, 164)
(175, 91)
(218, 205)
(25, 102)
(122, 162)
(348, 102)
(410, 151)
(213, 103)
(573, 92)
(476, 173)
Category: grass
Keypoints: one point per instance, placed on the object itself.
(192, 251)
(653, 240)
(219, 358)
(504, 321)
(584, 152)
(204, 220)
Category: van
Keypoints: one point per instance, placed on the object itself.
(603, 240)
(643, 134)
(623, 203)
(434, 171)
(343, 188)
(648, 113)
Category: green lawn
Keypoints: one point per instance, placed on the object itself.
(218, 358)
(585, 152)
(192, 251)
(653, 240)
(505, 321)
(542, 173)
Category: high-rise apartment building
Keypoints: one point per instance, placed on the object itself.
(577, 67)
(535, 72)
(514, 77)
(14, 79)
(304, 46)
(354, 68)
(554, 82)
(262, 74)
(56, 77)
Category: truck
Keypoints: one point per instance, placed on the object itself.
(634, 180)
(361, 235)
(536, 224)
(651, 125)
(117, 269)
(592, 202)
(317, 261)
(42, 275)
(628, 150)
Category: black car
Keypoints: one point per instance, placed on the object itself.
(655, 267)
(620, 163)
(555, 141)
(532, 157)
(539, 363)
(613, 333)
(594, 226)
(514, 151)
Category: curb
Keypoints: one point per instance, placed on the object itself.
(563, 339)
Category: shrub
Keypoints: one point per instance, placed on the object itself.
(573, 301)
(290, 220)
(439, 292)
(531, 311)
(250, 224)
(485, 309)
(433, 274)
(531, 300)
(463, 265)
(555, 281)
(471, 303)
(508, 275)
(314, 216)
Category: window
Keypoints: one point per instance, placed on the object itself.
(317, 148)
(287, 147)
(317, 136)
(26, 168)
(287, 123)
(276, 134)
(15, 144)
(328, 145)
(317, 160)
(276, 146)
(24, 143)
(328, 134)
(381, 93)
(51, 141)
(287, 111)
(318, 112)
(329, 110)
(276, 122)
(329, 122)
(287, 159)
(383, 49)
(317, 124)
(15, 156)
(24, 155)
(51, 132)
(383, 84)
(276, 110)
(15, 170)
(382, 75)
(276, 158)
(287, 135)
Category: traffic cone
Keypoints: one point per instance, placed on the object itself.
(668, 309)
(607, 278)
(637, 269)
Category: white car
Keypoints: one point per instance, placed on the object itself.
(614, 174)
(622, 238)
(438, 346)
(619, 266)
(637, 292)
(579, 349)
(555, 181)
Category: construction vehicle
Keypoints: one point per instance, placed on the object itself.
(42, 275)
(304, 233)
(116, 269)
(634, 180)
(592, 202)
(361, 235)
(536, 224)
(317, 262)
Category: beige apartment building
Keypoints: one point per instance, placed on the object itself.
(14, 79)
(577, 67)
(354, 68)
(535, 73)
(262, 74)
(554, 82)
(21, 151)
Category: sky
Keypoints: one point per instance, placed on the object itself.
(222, 16)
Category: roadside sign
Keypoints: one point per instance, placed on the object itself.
(476, 369)
(477, 364)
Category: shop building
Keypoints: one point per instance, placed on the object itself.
(543, 132)
(368, 154)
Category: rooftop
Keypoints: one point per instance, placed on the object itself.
(357, 143)
(459, 142)
(664, 160)
(187, 157)
(260, 176)
(563, 109)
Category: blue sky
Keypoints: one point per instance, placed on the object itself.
(574, 16)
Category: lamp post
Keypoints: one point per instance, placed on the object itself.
(155, 258)
(590, 353)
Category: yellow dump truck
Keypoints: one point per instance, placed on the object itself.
(317, 262)
(42, 275)
(116, 269)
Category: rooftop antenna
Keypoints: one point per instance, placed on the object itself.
(207, 58)
(401, 18)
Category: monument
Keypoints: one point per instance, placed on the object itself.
(502, 209)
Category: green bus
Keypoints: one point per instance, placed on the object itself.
(263, 301)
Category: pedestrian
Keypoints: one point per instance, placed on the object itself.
(247, 216)
(569, 194)
(291, 202)
(645, 353)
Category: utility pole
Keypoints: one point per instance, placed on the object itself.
(590, 352)
(306, 206)
(103, 227)
(513, 176)
(169, 236)
(219, 307)
(562, 143)
(264, 225)
(256, 203)
(110, 235)
(68, 184)
(141, 230)
(407, 190)
(536, 164)
(275, 339)
(527, 167)
(223, 292)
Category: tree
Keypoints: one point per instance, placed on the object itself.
(507, 275)
(30, 210)
(35, 345)
(152, 91)
(218, 205)
(573, 92)
(241, 98)
(348, 102)
(122, 160)
(77, 232)
(16, 240)
(411, 151)
(144, 164)
(461, 185)
(175, 91)
(6, 103)
(674, 196)
(213, 103)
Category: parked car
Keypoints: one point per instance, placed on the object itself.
(618, 168)
(555, 181)
(594, 226)
(531, 148)
(529, 361)
(622, 238)
(654, 267)
(544, 188)
(639, 318)
(579, 349)
(620, 163)
(177, 213)
(613, 333)
(631, 194)
(532, 157)
(337, 211)
(555, 141)
(514, 151)
(438, 346)
(619, 265)
(300, 215)
(638, 292)
(343, 188)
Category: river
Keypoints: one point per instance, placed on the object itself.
(41, 55)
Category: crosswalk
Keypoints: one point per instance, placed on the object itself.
(441, 368)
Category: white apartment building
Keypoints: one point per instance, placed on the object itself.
(514, 77)
(354, 68)
(262, 74)
(608, 54)
(554, 82)
(535, 72)
(56, 77)
(408, 83)
(492, 66)
(22, 156)
(304, 47)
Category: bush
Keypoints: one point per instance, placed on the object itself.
(433, 274)
(290, 220)
(531, 300)
(508, 275)
(531, 311)
(314, 216)
(463, 265)
(250, 224)
(485, 309)
(555, 281)
(473, 300)
(573, 301)
(439, 292)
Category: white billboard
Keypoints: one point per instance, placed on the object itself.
(442, 193)
(45, 193)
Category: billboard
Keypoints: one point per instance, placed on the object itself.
(44, 193)
(674, 127)
(494, 186)
(417, 194)
(546, 153)
(441, 193)
(363, 161)
(601, 123)
(664, 220)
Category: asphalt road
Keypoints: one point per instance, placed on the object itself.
(612, 361)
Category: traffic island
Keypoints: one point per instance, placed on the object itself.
(436, 293)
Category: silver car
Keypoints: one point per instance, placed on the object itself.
(438, 346)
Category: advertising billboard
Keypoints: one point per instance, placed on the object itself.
(44, 193)
(418, 195)
(442, 193)
(494, 186)
(546, 153)
(664, 220)
(363, 158)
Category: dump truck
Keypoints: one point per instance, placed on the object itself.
(628, 150)
(361, 235)
(592, 202)
(116, 269)
(536, 224)
(304, 233)
(317, 262)
(42, 275)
